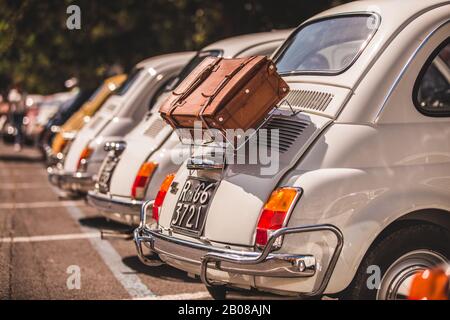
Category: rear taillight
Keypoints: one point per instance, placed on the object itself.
(161, 195)
(274, 213)
(142, 179)
(84, 157)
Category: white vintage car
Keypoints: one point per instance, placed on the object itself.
(135, 173)
(118, 115)
(359, 198)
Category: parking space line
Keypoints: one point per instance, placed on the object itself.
(56, 237)
(37, 205)
(126, 276)
(181, 296)
(13, 186)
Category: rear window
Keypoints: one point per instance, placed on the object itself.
(134, 74)
(432, 88)
(327, 46)
(191, 66)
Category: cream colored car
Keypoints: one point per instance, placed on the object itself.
(135, 173)
(358, 201)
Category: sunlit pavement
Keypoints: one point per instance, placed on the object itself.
(46, 240)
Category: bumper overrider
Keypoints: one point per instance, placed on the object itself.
(51, 158)
(121, 210)
(72, 182)
(266, 263)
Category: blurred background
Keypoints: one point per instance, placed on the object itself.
(39, 53)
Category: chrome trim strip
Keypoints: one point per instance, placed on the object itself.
(405, 67)
(297, 265)
(218, 258)
(77, 182)
(110, 204)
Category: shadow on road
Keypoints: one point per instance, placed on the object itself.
(103, 224)
(162, 272)
(20, 158)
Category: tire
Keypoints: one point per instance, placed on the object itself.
(217, 293)
(399, 257)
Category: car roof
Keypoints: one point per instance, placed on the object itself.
(395, 16)
(119, 78)
(234, 45)
(387, 9)
(164, 59)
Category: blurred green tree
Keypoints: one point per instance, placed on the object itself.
(39, 51)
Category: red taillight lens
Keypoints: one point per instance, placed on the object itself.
(84, 156)
(142, 179)
(161, 195)
(273, 215)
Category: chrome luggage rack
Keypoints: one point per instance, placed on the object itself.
(224, 146)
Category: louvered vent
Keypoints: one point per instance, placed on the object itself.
(309, 99)
(155, 128)
(289, 130)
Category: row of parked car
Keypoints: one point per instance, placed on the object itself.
(360, 185)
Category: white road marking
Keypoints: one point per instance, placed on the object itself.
(181, 296)
(56, 237)
(13, 186)
(126, 276)
(36, 205)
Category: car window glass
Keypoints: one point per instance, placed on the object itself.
(158, 93)
(327, 46)
(191, 66)
(432, 94)
(127, 83)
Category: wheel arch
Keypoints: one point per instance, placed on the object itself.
(433, 216)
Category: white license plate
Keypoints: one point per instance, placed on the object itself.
(190, 212)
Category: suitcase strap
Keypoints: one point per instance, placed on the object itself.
(198, 80)
(220, 86)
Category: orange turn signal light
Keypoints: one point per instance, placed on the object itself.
(273, 215)
(142, 179)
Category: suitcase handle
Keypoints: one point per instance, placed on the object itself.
(198, 80)
(220, 86)
(181, 98)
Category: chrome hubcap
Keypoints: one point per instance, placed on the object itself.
(396, 282)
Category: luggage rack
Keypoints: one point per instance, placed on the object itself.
(226, 142)
(225, 145)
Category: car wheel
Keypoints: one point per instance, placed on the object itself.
(398, 257)
(218, 292)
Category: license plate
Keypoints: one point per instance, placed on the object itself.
(189, 215)
(106, 174)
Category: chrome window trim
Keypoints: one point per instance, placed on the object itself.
(277, 54)
(405, 67)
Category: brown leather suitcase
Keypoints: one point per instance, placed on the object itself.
(226, 94)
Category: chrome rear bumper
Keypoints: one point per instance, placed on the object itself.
(123, 211)
(72, 182)
(266, 263)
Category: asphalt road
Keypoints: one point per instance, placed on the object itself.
(51, 248)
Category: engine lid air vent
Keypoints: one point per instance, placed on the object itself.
(155, 128)
(290, 128)
(308, 99)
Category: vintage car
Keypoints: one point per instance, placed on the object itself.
(357, 196)
(118, 115)
(63, 114)
(128, 176)
(70, 128)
